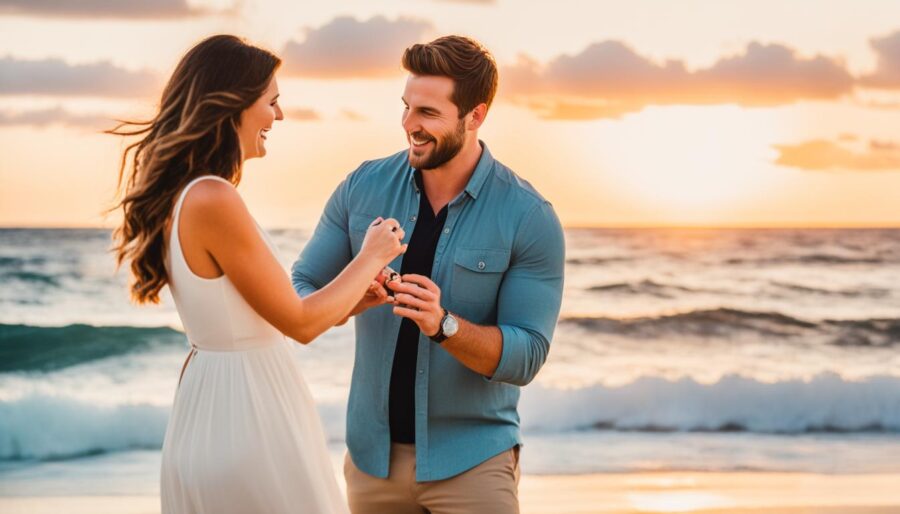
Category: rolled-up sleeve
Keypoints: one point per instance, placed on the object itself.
(328, 250)
(530, 296)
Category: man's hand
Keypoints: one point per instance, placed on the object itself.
(375, 296)
(419, 299)
(476, 347)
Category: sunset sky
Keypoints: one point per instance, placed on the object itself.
(625, 113)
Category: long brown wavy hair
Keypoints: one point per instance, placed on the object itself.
(193, 134)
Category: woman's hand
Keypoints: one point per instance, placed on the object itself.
(383, 241)
(375, 296)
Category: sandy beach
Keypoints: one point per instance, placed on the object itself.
(710, 493)
(706, 493)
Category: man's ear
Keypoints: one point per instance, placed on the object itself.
(477, 116)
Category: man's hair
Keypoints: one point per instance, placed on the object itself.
(464, 60)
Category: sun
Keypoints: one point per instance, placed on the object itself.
(693, 163)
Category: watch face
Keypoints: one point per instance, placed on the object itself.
(450, 326)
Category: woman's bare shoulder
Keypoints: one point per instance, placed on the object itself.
(214, 207)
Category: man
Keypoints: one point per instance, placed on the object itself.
(432, 421)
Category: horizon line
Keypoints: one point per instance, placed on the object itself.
(575, 226)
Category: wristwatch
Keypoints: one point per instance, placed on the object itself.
(447, 328)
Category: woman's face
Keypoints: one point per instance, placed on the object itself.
(257, 120)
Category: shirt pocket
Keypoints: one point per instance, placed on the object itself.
(477, 274)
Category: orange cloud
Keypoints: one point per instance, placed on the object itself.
(347, 48)
(101, 8)
(824, 155)
(351, 115)
(609, 79)
(301, 114)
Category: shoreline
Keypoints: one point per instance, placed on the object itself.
(743, 492)
(751, 492)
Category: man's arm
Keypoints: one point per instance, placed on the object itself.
(528, 306)
(328, 250)
(477, 347)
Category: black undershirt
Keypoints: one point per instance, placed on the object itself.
(419, 258)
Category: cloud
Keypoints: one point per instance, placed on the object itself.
(609, 79)
(301, 114)
(350, 115)
(887, 72)
(883, 105)
(883, 145)
(824, 155)
(54, 116)
(346, 48)
(580, 109)
(56, 77)
(101, 8)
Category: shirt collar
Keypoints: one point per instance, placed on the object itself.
(482, 171)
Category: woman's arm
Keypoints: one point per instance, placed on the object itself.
(214, 216)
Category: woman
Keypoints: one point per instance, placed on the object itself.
(244, 435)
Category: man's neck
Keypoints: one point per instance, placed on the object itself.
(446, 182)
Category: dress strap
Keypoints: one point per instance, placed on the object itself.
(175, 253)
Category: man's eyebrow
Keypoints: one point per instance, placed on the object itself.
(426, 109)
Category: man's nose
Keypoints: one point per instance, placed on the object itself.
(410, 123)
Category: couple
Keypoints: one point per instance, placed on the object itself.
(432, 424)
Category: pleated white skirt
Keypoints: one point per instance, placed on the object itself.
(245, 437)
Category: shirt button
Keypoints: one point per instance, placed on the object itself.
(481, 265)
(421, 371)
(412, 218)
(446, 230)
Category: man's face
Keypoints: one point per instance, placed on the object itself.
(431, 121)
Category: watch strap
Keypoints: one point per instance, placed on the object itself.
(440, 337)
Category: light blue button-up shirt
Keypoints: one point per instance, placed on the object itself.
(499, 261)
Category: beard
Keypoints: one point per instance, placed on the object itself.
(445, 148)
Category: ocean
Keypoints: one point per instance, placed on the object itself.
(677, 349)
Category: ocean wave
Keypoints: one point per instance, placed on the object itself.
(723, 323)
(36, 278)
(9, 261)
(812, 258)
(706, 322)
(31, 348)
(649, 287)
(867, 332)
(44, 427)
(47, 428)
(873, 292)
(596, 261)
(826, 403)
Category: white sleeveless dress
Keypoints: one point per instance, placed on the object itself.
(244, 435)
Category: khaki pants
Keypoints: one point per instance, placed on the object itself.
(491, 487)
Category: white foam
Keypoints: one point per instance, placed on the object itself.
(47, 427)
(40, 426)
(826, 402)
